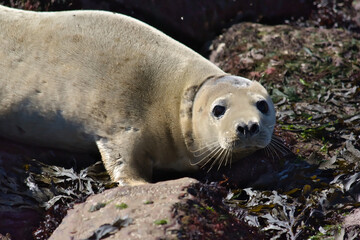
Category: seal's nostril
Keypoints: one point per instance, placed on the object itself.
(241, 130)
(249, 129)
(254, 128)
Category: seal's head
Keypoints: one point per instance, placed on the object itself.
(230, 115)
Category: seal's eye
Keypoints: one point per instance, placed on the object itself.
(262, 106)
(218, 111)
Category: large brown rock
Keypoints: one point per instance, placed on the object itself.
(195, 22)
(352, 219)
(147, 207)
(190, 22)
(351, 226)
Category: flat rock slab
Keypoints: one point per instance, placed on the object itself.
(353, 219)
(149, 207)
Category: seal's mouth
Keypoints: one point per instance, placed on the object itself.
(221, 153)
(238, 146)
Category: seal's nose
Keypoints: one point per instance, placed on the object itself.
(247, 129)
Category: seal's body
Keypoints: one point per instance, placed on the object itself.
(99, 81)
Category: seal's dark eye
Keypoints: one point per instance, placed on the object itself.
(262, 106)
(218, 111)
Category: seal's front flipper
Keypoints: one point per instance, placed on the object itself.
(122, 161)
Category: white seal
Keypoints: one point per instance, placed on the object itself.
(99, 81)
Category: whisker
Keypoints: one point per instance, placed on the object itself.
(212, 157)
(205, 151)
(281, 147)
(217, 158)
(279, 143)
(268, 152)
(204, 139)
(231, 153)
(201, 160)
(223, 158)
(271, 150)
(233, 145)
(204, 147)
(274, 150)
(229, 157)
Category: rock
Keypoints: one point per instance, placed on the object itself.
(357, 10)
(137, 212)
(351, 226)
(352, 219)
(195, 22)
(6, 237)
(191, 22)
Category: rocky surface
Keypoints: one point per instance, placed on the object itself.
(313, 75)
(39, 185)
(196, 23)
(176, 209)
(192, 23)
(352, 219)
(145, 209)
(351, 225)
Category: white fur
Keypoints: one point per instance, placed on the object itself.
(94, 80)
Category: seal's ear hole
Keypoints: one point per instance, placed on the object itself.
(218, 111)
(263, 106)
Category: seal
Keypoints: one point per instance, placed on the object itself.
(95, 81)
